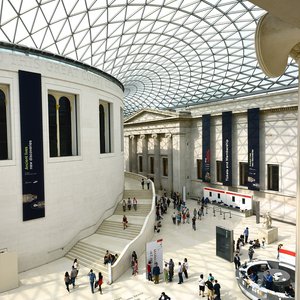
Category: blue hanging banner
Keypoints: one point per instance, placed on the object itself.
(32, 145)
(206, 148)
(227, 148)
(253, 149)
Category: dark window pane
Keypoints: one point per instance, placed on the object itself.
(52, 126)
(199, 168)
(3, 127)
(65, 127)
(102, 128)
(273, 177)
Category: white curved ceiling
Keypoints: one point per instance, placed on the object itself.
(167, 53)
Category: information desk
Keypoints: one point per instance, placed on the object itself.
(281, 279)
(257, 290)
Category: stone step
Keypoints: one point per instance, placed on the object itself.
(87, 253)
(138, 194)
(89, 263)
(115, 229)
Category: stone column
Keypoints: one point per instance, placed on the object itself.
(144, 139)
(170, 162)
(275, 40)
(157, 167)
(179, 161)
(127, 153)
(133, 154)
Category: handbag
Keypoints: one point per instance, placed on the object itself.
(96, 284)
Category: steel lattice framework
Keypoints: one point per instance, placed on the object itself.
(167, 53)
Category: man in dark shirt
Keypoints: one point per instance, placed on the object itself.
(156, 272)
(210, 290)
(217, 288)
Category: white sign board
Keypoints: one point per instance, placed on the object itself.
(154, 253)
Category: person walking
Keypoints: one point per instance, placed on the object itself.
(246, 234)
(100, 282)
(201, 285)
(125, 222)
(76, 266)
(278, 249)
(237, 261)
(143, 183)
(194, 223)
(148, 183)
(180, 273)
(166, 273)
(124, 205)
(129, 203)
(250, 253)
(156, 272)
(73, 276)
(92, 278)
(210, 290)
(217, 292)
(174, 218)
(134, 202)
(149, 271)
(171, 269)
(135, 267)
(67, 281)
(185, 268)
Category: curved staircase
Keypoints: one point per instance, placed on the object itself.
(110, 235)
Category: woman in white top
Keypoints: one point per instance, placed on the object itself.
(76, 266)
(185, 268)
(201, 285)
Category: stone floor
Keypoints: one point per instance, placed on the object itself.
(46, 282)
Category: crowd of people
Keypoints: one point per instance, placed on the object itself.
(209, 287)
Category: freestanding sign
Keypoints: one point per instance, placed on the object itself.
(224, 243)
(206, 148)
(32, 145)
(253, 149)
(154, 253)
(227, 148)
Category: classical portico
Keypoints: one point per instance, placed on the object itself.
(156, 148)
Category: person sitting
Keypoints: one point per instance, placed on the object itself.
(289, 291)
(125, 222)
(106, 257)
(256, 244)
(253, 276)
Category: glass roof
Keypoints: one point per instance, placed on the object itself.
(167, 53)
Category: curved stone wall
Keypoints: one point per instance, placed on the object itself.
(78, 188)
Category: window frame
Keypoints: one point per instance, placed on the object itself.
(243, 173)
(165, 166)
(108, 127)
(219, 171)
(199, 168)
(74, 115)
(270, 180)
(5, 88)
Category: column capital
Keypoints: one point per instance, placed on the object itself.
(168, 135)
(142, 136)
(275, 41)
(154, 135)
(131, 136)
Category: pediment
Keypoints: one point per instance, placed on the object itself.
(147, 115)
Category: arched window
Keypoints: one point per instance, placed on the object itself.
(65, 127)
(105, 126)
(62, 116)
(102, 128)
(52, 126)
(3, 127)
